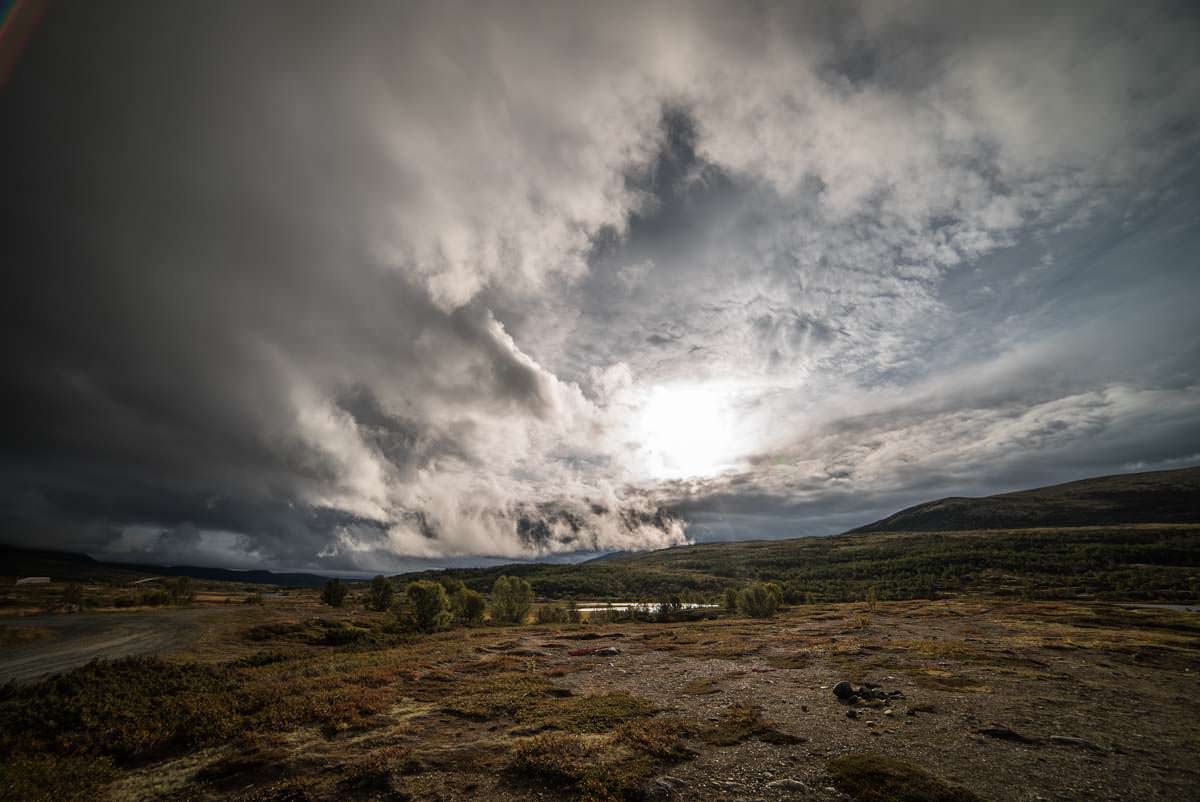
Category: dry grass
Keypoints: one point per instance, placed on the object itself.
(875, 778)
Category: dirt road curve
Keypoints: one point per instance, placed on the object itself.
(78, 639)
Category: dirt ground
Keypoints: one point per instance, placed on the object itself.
(1013, 701)
(74, 639)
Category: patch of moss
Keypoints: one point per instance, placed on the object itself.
(533, 701)
(50, 778)
(741, 723)
(702, 686)
(875, 778)
(598, 768)
(132, 708)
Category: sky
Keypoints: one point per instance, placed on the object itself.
(372, 286)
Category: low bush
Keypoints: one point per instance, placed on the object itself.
(875, 778)
(760, 600)
(551, 614)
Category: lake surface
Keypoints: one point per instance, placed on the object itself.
(652, 607)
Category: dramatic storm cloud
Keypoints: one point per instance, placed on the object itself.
(349, 285)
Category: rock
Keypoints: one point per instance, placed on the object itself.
(888, 712)
(602, 651)
(663, 787)
(786, 784)
(851, 713)
(1070, 740)
(1005, 734)
(843, 690)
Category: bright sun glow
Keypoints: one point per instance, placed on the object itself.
(688, 430)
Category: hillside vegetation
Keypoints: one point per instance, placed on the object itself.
(1150, 497)
(1133, 562)
(1132, 537)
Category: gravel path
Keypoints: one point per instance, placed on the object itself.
(79, 639)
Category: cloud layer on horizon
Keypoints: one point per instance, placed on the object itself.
(305, 288)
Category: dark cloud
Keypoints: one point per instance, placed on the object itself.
(308, 286)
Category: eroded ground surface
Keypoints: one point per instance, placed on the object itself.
(69, 641)
(1006, 701)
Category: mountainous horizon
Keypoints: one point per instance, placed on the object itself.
(1171, 496)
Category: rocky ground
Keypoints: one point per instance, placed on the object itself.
(974, 699)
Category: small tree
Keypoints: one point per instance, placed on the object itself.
(73, 596)
(334, 592)
(670, 606)
(757, 601)
(776, 593)
(730, 601)
(429, 606)
(467, 606)
(511, 599)
(180, 590)
(379, 597)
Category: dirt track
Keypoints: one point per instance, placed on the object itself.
(79, 639)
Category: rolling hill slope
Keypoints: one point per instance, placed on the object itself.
(1152, 497)
(1134, 537)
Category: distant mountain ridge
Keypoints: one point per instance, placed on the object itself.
(1151, 497)
(15, 561)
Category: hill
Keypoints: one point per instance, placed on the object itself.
(1134, 537)
(1151, 497)
(62, 565)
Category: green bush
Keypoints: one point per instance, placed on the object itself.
(551, 614)
(180, 590)
(467, 606)
(334, 593)
(429, 606)
(759, 600)
(379, 596)
(730, 599)
(511, 599)
(155, 598)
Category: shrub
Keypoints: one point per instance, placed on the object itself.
(670, 608)
(73, 596)
(180, 590)
(155, 598)
(511, 599)
(429, 606)
(379, 597)
(467, 607)
(758, 601)
(730, 599)
(551, 614)
(334, 593)
(134, 708)
(253, 598)
(875, 778)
